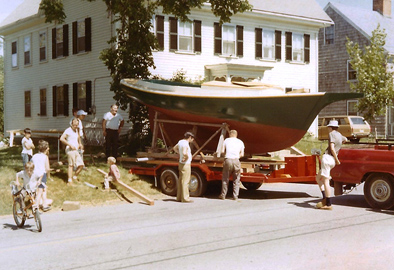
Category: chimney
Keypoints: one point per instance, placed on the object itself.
(383, 7)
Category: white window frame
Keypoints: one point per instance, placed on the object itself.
(297, 53)
(45, 43)
(349, 105)
(333, 35)
(14, 56)
(229, 42)
(58, 54)
(27, 50)
(183, 29)
(348, 70)
(268, 44)
(81, 34)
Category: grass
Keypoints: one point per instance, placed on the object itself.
(59, 191)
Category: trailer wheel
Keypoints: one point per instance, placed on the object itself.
(198, 184)
(252, 185)
(168, 179)
(379, 191)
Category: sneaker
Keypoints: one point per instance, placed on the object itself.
(75, 177)
(19, 211)
(326, 207)
(321, 204)
(46, 208)
(221, 197)
(188, 201)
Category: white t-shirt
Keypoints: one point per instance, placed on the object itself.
(72, 138)
(80, 126)
(182, 144)
(39, 160)
(24, 150)
(233, 147)
(29, 183)
(113, 121)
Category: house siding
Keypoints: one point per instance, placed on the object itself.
(333, 66)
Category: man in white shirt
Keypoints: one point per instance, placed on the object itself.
(112, 126)
(184, 167)
(234, 150)
(72, 140)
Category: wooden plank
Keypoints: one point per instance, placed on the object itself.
(135, 192)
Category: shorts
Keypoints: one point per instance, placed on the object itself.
(43, 184)
(74, 158)
(327, 163)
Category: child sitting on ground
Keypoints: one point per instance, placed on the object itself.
(42, 169)
(27, 147)
(113, 175)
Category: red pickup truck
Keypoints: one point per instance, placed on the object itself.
(372, 164)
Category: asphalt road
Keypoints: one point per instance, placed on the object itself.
(275, 227)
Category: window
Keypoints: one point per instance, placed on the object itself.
(43, 46)
(352, 107)
(60, 41)
(329, 35)
(185, 36)
(228, 40)
(14, 54)
(82, 36)
(43, 102)
(60, 100)
(82, 95)
(27, 103)
(297, 47)
(27, 49)
(268, 44)
(351, 73)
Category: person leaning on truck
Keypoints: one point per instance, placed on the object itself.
(234, 150)
(329, 160)
(184, 167)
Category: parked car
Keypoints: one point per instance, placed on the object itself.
(351, 126)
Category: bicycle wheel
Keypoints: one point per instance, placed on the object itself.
(18, 212)
(37, 219)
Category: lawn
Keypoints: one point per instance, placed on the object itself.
(60, 191)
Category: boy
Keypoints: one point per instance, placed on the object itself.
(42, 169)
(113, 175)
(27, 147)
(30, 180)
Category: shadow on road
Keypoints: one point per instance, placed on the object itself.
(13, 227)
(353, 200)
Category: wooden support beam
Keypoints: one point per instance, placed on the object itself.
(135, 192)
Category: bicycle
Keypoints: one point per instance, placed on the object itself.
(23, 201)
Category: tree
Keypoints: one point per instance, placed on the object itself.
(373, 77)
(129, 54)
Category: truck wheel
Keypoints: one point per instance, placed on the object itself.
(251, 185)
(198, 184)
(168, 179)
(379, 191)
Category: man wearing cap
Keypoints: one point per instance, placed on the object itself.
(234, 149)
(184, 167)
(329, 160)
(80, 115)
(112, 126)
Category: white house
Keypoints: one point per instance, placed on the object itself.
(49, 69)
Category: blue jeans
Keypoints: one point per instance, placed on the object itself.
(25, 158)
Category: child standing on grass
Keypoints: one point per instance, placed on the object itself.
(113, 175)
(42, 169)
(27, 147)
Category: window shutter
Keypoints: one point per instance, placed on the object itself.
(197, 36)
(278, 45)
(88, 34)
(307, 45)
(289, 44)
(258, 42)
(75, 37)
(75, 95)
(89, 97)
(53, 43)
(173, 34)
(65, 40)
(218, 38)
(240, 40)
(54, 100)
(65, 88)
(160, 31)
